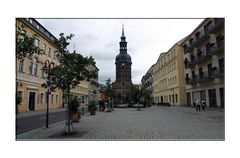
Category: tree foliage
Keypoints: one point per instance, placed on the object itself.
(25, 45)
(108, 86)
(138, 93)
(71, 70)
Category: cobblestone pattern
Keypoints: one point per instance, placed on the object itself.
(155, 123)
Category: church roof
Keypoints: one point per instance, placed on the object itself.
(123, 57)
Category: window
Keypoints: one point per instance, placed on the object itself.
(190, 41)
(42, 98)
(49, 52)
(44, 47)
(170, 98)
(176, 98)
(36, 42)
(173, 98)
(21, 65)
(56, 99)
(52, 98)
(221, 65)
(31, 66)
(38, 27)
(43, 74)
(35, 69)
(197, 35)
(175, 79)
(82, 99)
(20, 94)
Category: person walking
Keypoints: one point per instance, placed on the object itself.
(198, 108)
(203, 104)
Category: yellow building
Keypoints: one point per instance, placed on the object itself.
(204, 63)
(87, 90)
(81, 92)
(93, 85)
(29, 74)
(168, 77)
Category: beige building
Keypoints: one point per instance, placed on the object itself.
(168, 77)
(29, 74)
(93, 85)
(87, 90)
(81, 92)
(204, 63)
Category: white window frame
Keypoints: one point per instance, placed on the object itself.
(37, 42)
(21, 65)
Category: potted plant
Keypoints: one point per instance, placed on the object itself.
(73, 109)
(92, 107)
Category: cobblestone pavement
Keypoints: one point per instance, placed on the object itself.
(154, 123)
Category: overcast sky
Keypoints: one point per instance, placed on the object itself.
(146, 38)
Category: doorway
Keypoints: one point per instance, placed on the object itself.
(188, 99)
(222, 97)
(31, 104)
(212, 98)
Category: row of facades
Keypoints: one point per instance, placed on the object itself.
(30, 76)
(193, 69)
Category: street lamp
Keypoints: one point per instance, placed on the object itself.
(45, 68)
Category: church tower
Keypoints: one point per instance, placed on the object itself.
(123, 83)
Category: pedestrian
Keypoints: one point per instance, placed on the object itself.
(198, 108)
(203, 104)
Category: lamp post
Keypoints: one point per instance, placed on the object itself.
(45, 68)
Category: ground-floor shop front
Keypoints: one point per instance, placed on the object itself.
(212, 95)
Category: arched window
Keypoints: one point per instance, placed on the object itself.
(31, 66)
(21, 65)
(35, 69)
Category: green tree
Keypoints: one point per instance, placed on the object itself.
(138, 93)
(109, 91)
(71, 71)
(25, 47)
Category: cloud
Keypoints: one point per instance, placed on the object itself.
(100, 38)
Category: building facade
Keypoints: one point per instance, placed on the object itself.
(93, 85)
(204, 63)
(123, 84)
(168, 77)
(81, 92)
(29, 74)
(147, 82)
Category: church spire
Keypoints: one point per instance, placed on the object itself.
(123, 36)
(123, 30)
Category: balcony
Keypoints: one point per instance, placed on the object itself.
(216, 50)
(218, 73)
(219, 23)
(196, 42)
(30, 78)
(188, 64)
(204, 77)
(201, 58)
